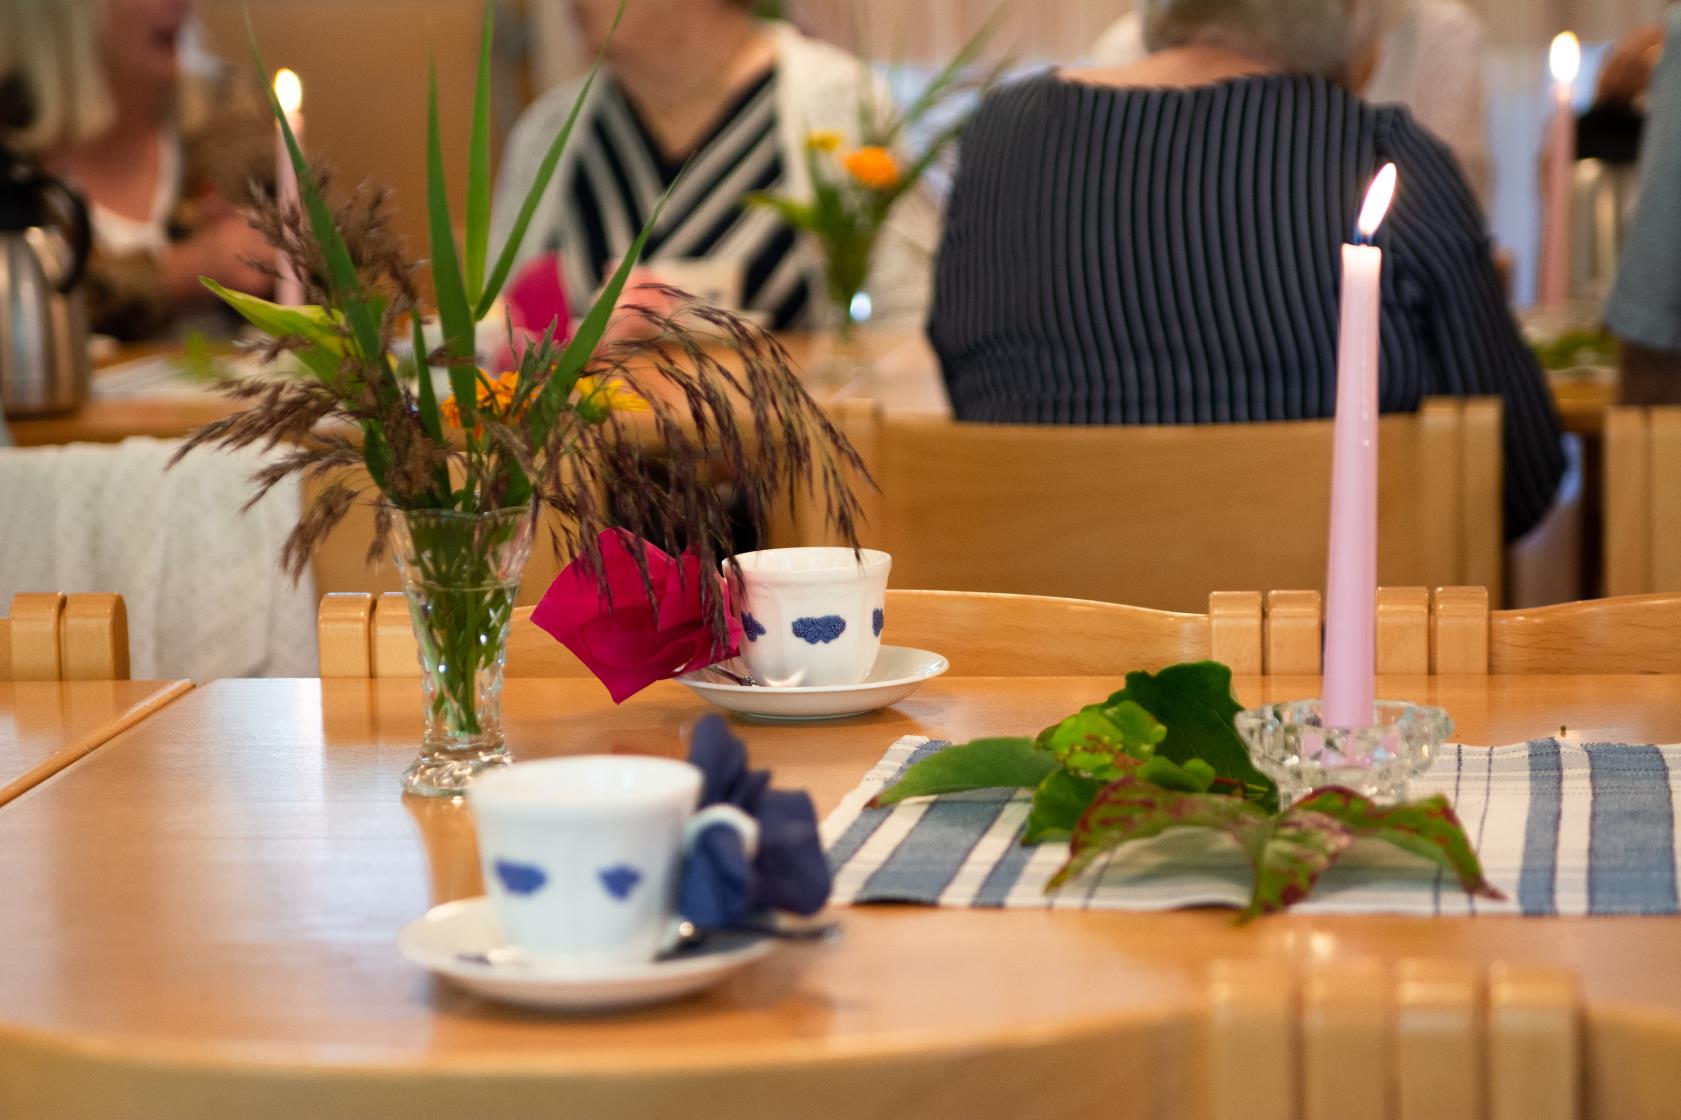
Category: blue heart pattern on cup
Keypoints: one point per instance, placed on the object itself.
(620, 880)
(752, 627)
(815, 630)
(520, 878)
(878, 619)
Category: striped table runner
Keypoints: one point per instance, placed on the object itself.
(1562, 828)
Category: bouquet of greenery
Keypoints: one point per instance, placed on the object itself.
(459, 482)
(854, 190)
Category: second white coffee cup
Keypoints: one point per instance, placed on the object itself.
(813, 616)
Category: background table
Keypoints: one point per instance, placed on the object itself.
(47, 725)
(897, 368)
(203, 918)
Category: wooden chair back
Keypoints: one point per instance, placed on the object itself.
(981, 634)
(1159, 516)
(1642, 531)
(50, 636)
(1628, 634)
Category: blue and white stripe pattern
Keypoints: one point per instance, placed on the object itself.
(1563, 828)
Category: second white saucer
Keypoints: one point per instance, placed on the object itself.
(898, 672)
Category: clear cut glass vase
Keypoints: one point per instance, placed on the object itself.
(461, 573)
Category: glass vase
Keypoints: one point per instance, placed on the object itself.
(461, 573)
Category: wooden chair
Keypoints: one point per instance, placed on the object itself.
(1629, 634)
(50, 636)
(1642, 532)
(1416, 1040)
(1158, 516)
(982, 635)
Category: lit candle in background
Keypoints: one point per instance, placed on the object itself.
(1564, 60)
(289, 91)
(1351, 577)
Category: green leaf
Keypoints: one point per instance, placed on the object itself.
(341, 269)
(1299, 848)
(1196, 776)
(540, 185)
(321, 359)
(1103, 740)
(800, 215)
(478, 165)
(1428, 828)
(1131, 809)
(1194, 701)
(453, 309)
(982, 764)
(1058, 804)
(581, 347)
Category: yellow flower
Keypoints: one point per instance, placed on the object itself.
(599, 395)
(874, 168)
(823, 140)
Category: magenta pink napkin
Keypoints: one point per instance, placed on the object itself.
(632, 643)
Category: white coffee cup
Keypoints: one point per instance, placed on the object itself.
(581, 856)
(812, 616)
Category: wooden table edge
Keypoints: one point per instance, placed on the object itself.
(84, 745)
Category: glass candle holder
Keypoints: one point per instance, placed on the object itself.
(1290, 743)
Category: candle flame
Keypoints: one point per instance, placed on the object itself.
(289, 91)
(1378, 197)
(1565, 58)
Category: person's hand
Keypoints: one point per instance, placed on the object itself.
(638, 293)
(1628, 71)
(222, 250)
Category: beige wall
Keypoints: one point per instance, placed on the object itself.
(363, 64)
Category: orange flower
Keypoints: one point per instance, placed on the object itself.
(495, 396)
(874, 168)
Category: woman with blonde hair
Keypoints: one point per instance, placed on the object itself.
(164, 153)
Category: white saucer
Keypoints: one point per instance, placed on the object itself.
(897, 673)
(446, 938)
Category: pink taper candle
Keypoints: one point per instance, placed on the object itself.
(1564, 60)
(1351, 578)
(288, 90)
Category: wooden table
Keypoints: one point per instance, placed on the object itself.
(899, 370)
(47, 725)
(202, 916)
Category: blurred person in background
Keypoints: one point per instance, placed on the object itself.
(1644, 311)
(1428, 55)
(701, 89)
(1159, 243)
(164, 153)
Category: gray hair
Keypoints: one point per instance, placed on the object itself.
(1299, 36)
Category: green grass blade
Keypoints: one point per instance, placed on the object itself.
(582, 345)
(453, 309)
(545, 172)
(341, 269)
(478, 165)
(430, 419)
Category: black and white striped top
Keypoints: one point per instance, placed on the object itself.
(1172, 256)
(621, 173)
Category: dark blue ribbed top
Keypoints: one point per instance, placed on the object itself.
(1172, 256)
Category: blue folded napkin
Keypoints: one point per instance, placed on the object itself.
(720, 886)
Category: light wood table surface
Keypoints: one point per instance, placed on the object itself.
(202, 917)
(47, 725)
